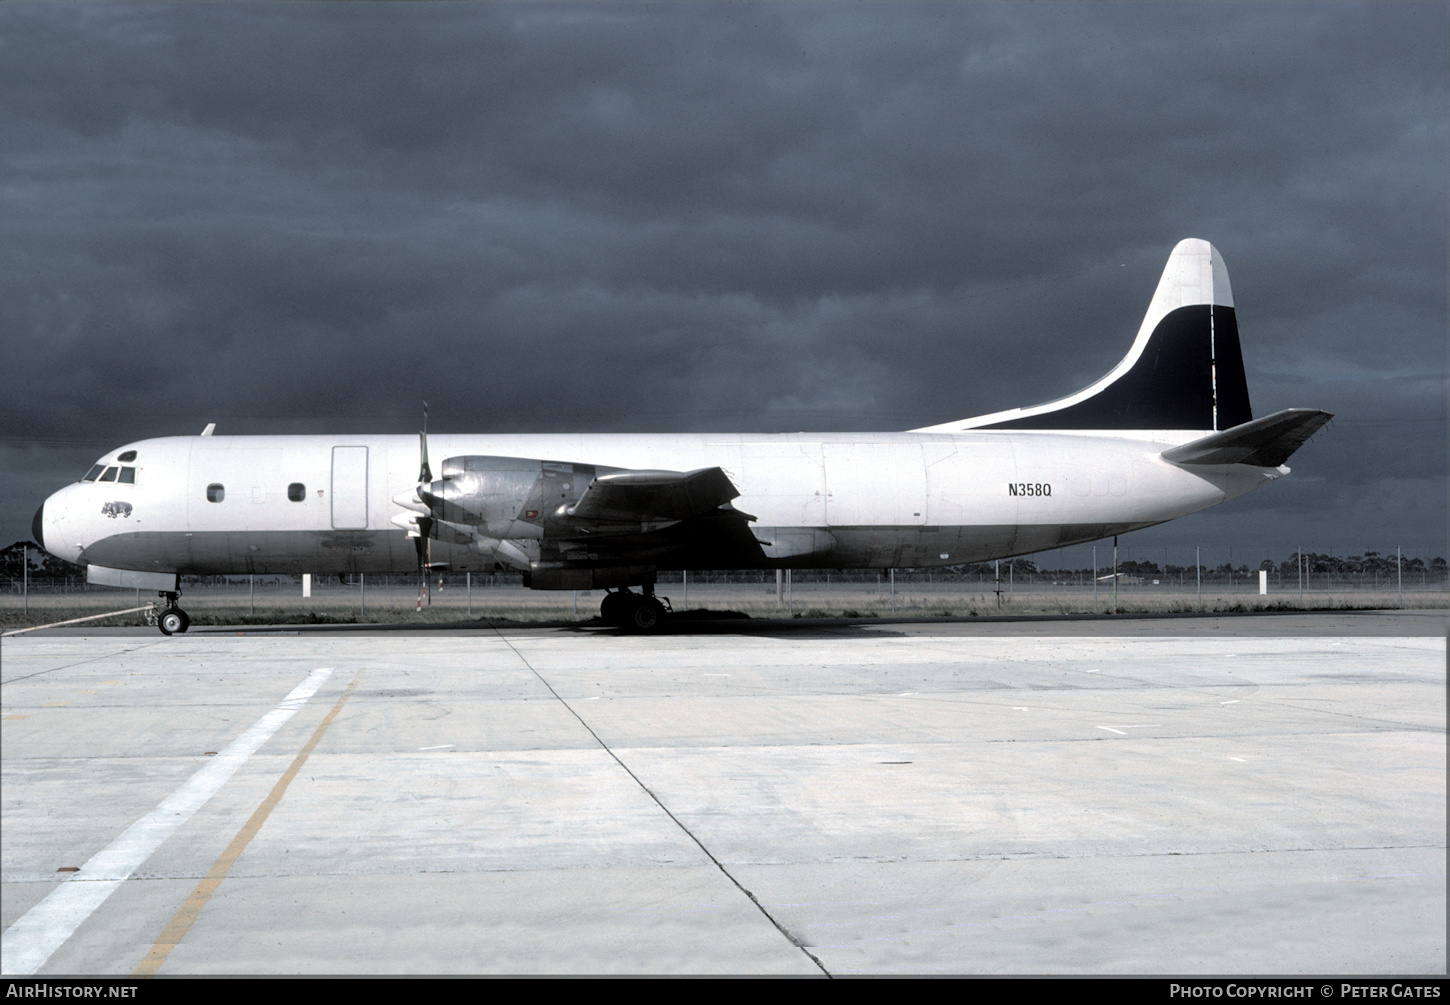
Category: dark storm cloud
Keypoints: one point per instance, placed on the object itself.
(777, 216)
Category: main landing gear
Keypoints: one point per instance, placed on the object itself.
(634, 612)
(172, 620)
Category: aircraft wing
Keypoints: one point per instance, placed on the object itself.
(585, 526)
(1266, 442)
(652, 496)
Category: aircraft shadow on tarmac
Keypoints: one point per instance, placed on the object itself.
(707, 623)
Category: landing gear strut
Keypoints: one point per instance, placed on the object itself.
(172, 620)
(634, 612)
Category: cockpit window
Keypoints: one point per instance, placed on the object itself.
(129, 455)
(94, 473)
(296, 491)
(128, 476)
(215, 492)
(109, 475)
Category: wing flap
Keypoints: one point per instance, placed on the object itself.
(1266, 442)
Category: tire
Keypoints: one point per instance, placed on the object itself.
(614, 609)
(646, 616)
(173, 621)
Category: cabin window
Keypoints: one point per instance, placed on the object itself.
(129, 455)
(109, 475)
(215, 492)
(296, 491)
(128, 476)
(94, 473)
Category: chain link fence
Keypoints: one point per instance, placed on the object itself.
(1022, 586)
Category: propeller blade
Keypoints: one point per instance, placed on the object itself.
(423, 542)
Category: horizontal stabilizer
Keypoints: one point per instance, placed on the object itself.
(1265, 443)
(638, 496)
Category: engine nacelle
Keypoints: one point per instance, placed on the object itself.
(505, 497)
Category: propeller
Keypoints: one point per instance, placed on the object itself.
(423, 542)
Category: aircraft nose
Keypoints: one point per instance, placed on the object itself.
(52, 528)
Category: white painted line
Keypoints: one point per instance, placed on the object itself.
(1110, 729)
(1231, 701)
(1020, 708)
(906, 694)
(441, 746)
(1239, 759)
(28, 943)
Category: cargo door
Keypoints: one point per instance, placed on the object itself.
(349, 488)
(875, 485)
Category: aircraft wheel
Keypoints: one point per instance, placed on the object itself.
(646, 616)
(614, 609)
(173, 621)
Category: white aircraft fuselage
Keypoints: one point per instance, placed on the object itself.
(1167, 432)
(869, 500)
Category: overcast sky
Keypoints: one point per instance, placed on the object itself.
(775, 217)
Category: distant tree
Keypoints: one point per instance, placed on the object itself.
(44, 567)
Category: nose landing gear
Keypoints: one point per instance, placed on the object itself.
(172, 620)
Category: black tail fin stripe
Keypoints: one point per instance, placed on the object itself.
(1185, 369)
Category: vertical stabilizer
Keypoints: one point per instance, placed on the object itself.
(1184, 371)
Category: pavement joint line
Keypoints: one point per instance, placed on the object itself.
(37, 934)
(192, 907)
(97, 659)
(677, 821)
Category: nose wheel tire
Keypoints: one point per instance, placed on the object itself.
(173, 621)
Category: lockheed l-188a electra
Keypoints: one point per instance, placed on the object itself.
(1167, 432)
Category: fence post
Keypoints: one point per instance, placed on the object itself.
(1095, 579)
(25, 572)
(362, 587)
(470, 593)
(1399, 576)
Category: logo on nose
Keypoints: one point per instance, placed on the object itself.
(115, 509)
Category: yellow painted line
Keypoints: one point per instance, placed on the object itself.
(191, 909)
